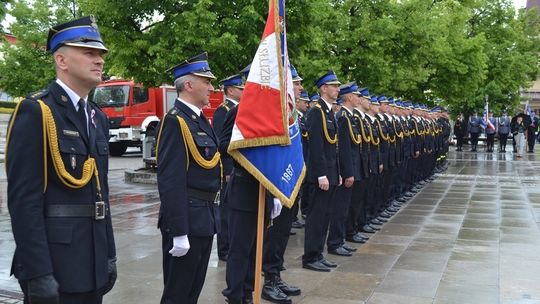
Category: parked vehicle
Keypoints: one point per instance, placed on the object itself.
(134, 111)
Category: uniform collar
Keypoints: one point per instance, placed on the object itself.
(192, 107)
(72, 95)
(329, 105)
(232, 100)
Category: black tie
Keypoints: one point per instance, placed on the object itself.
(82, 115)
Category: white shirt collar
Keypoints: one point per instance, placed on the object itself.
(192, 107)
(232, 100)
(72, 95)
(361, 112)
(329, 105)
(350, 111)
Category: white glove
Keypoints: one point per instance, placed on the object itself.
(276, 210)
(180, 246)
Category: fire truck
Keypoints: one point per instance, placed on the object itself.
(134, 111)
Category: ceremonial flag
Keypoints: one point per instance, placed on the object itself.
(486, 123)
(266, 138)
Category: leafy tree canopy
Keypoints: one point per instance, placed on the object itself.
(452, 52)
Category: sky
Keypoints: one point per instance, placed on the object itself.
(517, 4)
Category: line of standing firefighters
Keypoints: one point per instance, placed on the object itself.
(366, 155)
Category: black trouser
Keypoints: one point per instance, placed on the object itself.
(94, 297)
(490, 141)
(503, 138)
(371, 204)
(276, 238)
(356, 218)
(317, 222)
(338, 217)
(223, 235)
(304, 201)
(459, 141)
(403, 183)
(531, 139)
(240, 272)
(474, 140)
(184, 276)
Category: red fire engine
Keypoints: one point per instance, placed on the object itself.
(134, 110)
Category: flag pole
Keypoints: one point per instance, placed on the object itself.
(259, 246)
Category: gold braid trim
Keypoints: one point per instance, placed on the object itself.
(416, 128)
(304, 134)
(356, 139)
(400, 135)
(362, 131)
(49, 133)
(325, 127)
(192, 148)
(374, 141)
(385, 137)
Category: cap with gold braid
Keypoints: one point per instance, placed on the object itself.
(82, 32)
(197, 66)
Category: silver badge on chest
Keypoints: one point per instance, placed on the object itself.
(73, 161)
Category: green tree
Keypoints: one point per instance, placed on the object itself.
(3, 5)
(27, 66)
(161, 34)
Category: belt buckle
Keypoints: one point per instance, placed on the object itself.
(100, 210)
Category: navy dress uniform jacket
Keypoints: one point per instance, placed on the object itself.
(365, 146)
(180, 213)
(323, 156)
(349, 151)
(218, 121)
(75, 250)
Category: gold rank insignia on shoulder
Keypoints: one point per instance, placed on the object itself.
(64, 98)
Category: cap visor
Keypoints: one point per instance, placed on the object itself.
(89, 44)
(241, 87)
(297, 78)
(333, 82)
(205, 74)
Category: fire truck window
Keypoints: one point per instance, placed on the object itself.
(140, 95)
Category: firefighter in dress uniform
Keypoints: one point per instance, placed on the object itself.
(189, 178)
(57, 164)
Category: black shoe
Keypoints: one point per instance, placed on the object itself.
(402, 200)
(288, 289)
(248, 300)
(385, 214)
(530, 151)
(392, 209)
(340, 251)
(231, 301)
(328, 263)
(374, 228)
(297, 224)
(368, 229)
(282, 268)
(348, 248)
(422, 182)
(292, 233)
(375, 221)
(409, 194)
(382, 219)
(271, 292)
(316, 266)
(223, 258)
(356, 239)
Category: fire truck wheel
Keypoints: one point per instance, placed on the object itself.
(117, 148)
